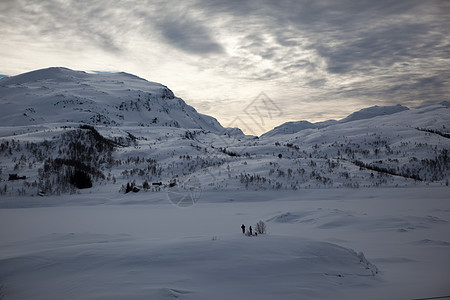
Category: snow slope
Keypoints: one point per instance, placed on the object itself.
(60, 95)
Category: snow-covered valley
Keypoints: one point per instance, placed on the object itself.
(113, 188)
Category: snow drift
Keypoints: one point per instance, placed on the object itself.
(86, 266)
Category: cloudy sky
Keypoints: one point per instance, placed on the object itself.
(311, 60)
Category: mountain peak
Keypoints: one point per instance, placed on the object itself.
(52, 73)
(374, 111)
(289, 127)
(62, 95)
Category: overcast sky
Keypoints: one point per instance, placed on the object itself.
(314, 60)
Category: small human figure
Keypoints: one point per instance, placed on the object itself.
(250, 229)
(243, 228)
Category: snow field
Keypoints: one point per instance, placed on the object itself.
(119, 249)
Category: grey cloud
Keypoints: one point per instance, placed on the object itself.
(422, 88)
(106, 26)
(189, 36)
(266, 74)
(354, 36)
(300, 64)
(63, 21)
(316, 83)
(370, 41)
(338, 21)
(408, 89)
(433, 82)
(380, 48)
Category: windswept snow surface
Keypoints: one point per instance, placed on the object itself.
(321, 244)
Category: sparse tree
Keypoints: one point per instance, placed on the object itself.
(260, 227)
(129, 188)
(146, 185)
(81, 180)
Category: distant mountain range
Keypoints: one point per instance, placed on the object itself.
(366, 113)
(62, 131)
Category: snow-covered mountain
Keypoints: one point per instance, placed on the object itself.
(63, 130)
(290, 127)
(363, 114)
(374, 111)
(61, 95)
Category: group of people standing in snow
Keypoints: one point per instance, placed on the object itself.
(249, 232)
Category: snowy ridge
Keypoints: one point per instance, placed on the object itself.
(363, 114)
(374, 111)
(290, 127)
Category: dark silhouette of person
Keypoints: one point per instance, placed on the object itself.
(250, 229)
(243, 228)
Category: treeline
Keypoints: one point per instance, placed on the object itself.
(422, 170)
(385, 170)
(435, 131)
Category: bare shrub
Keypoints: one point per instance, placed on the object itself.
(260, 227)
